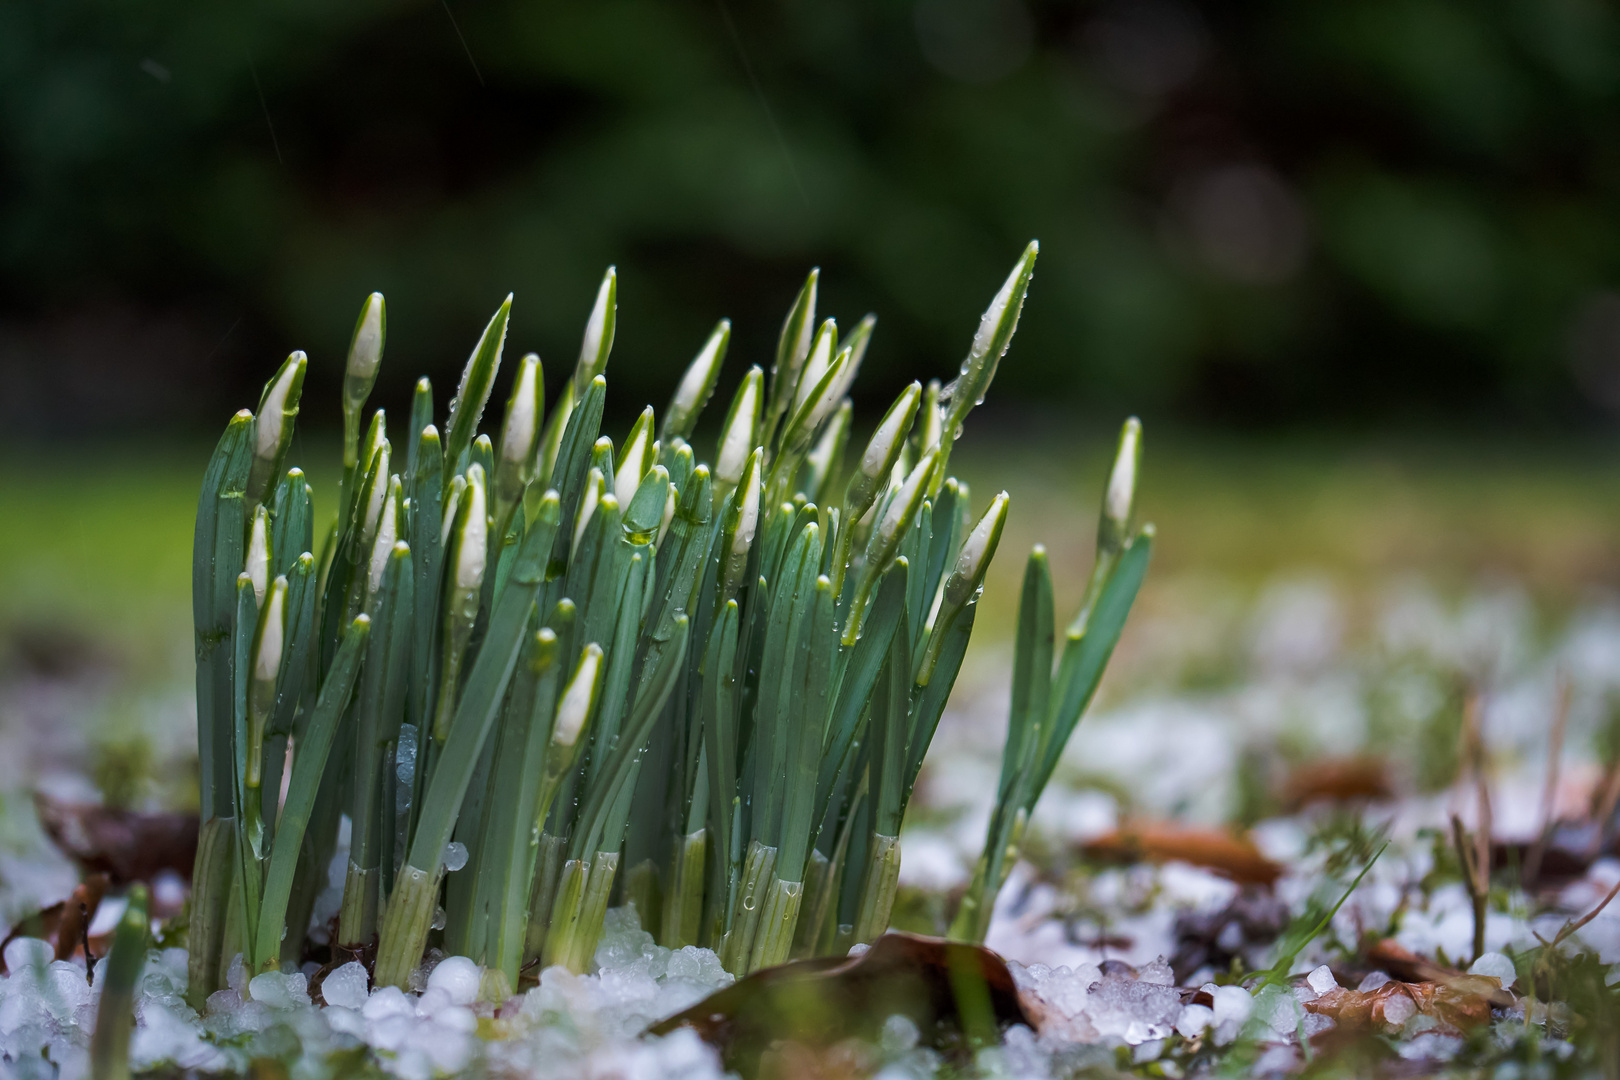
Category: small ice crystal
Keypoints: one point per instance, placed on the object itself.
(279, 991)
(899, 1034)
(1231, 1003)
(1399, 1009)
(455, 856)
(1193, 1020)
(1496, 966)
(1321, 980)
(1278, 1009)
(1372, 982)
(458, 977)
(346, 986)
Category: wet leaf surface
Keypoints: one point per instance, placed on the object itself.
(785, 1021)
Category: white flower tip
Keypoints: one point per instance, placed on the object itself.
(258, 554)
(522, 423)
(895, 423)
(575, 707)
(1122, 481)
(365, 351)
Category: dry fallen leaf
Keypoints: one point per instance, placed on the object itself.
(1337, 779)
(126, 845)
(1463, 1004)
(949, 989)
(1231, 856)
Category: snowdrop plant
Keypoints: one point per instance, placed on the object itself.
(548, 672)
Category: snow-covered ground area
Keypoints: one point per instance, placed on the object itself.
(1214, 697)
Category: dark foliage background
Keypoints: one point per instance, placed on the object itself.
(1261, 212)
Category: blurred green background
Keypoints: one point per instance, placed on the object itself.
(1253, 214)
(1355, 262)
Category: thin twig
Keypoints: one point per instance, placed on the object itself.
(1572, 927)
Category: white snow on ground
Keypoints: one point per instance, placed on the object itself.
(1304, 667)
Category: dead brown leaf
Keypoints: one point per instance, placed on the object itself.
(1337, 779)
(1227, 854)
(952, 991)
(1463, 1004)
(126, 845)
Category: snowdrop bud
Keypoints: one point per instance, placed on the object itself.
(741, 430)
(458, 486)
(272, 633)
(669, 516)
(257, 566)
(472, 547)
(990, 341)
(829, 449)
(901, 510)
(598, 341)
(977, 551)
(748, 511)
(365, 352)
(1121, 493)
(376, 490)
(523, 411)
(696, 385)
(575, 707)
(820, 362)
(277, 408)
(882, 453)
(588, 500)
(637, 459)
(387, 534)
(932, 419)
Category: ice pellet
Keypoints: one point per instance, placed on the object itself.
(455, 856)
(1496, 966)
(278, 991)
(1231, 1003)
(1372, 982)
(458, 977)
(346, 986)
(1321, 980)
(1399, 1009)
(1194, 1019)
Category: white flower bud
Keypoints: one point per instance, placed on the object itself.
(575, 707)
(387, 534)
(821, 360)
(272, 634)
(637, 459)
(458, 485)
(977, 551)
(669, 515)
(881, 449)
(472, 551)
(366, 347)
(1122, 481)
(737, 438)
(903, 507)
(522, 425)
(273, 409)
(257, 566)
(588, 500)
(748, 514)
(598, 332)
(379, 492)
